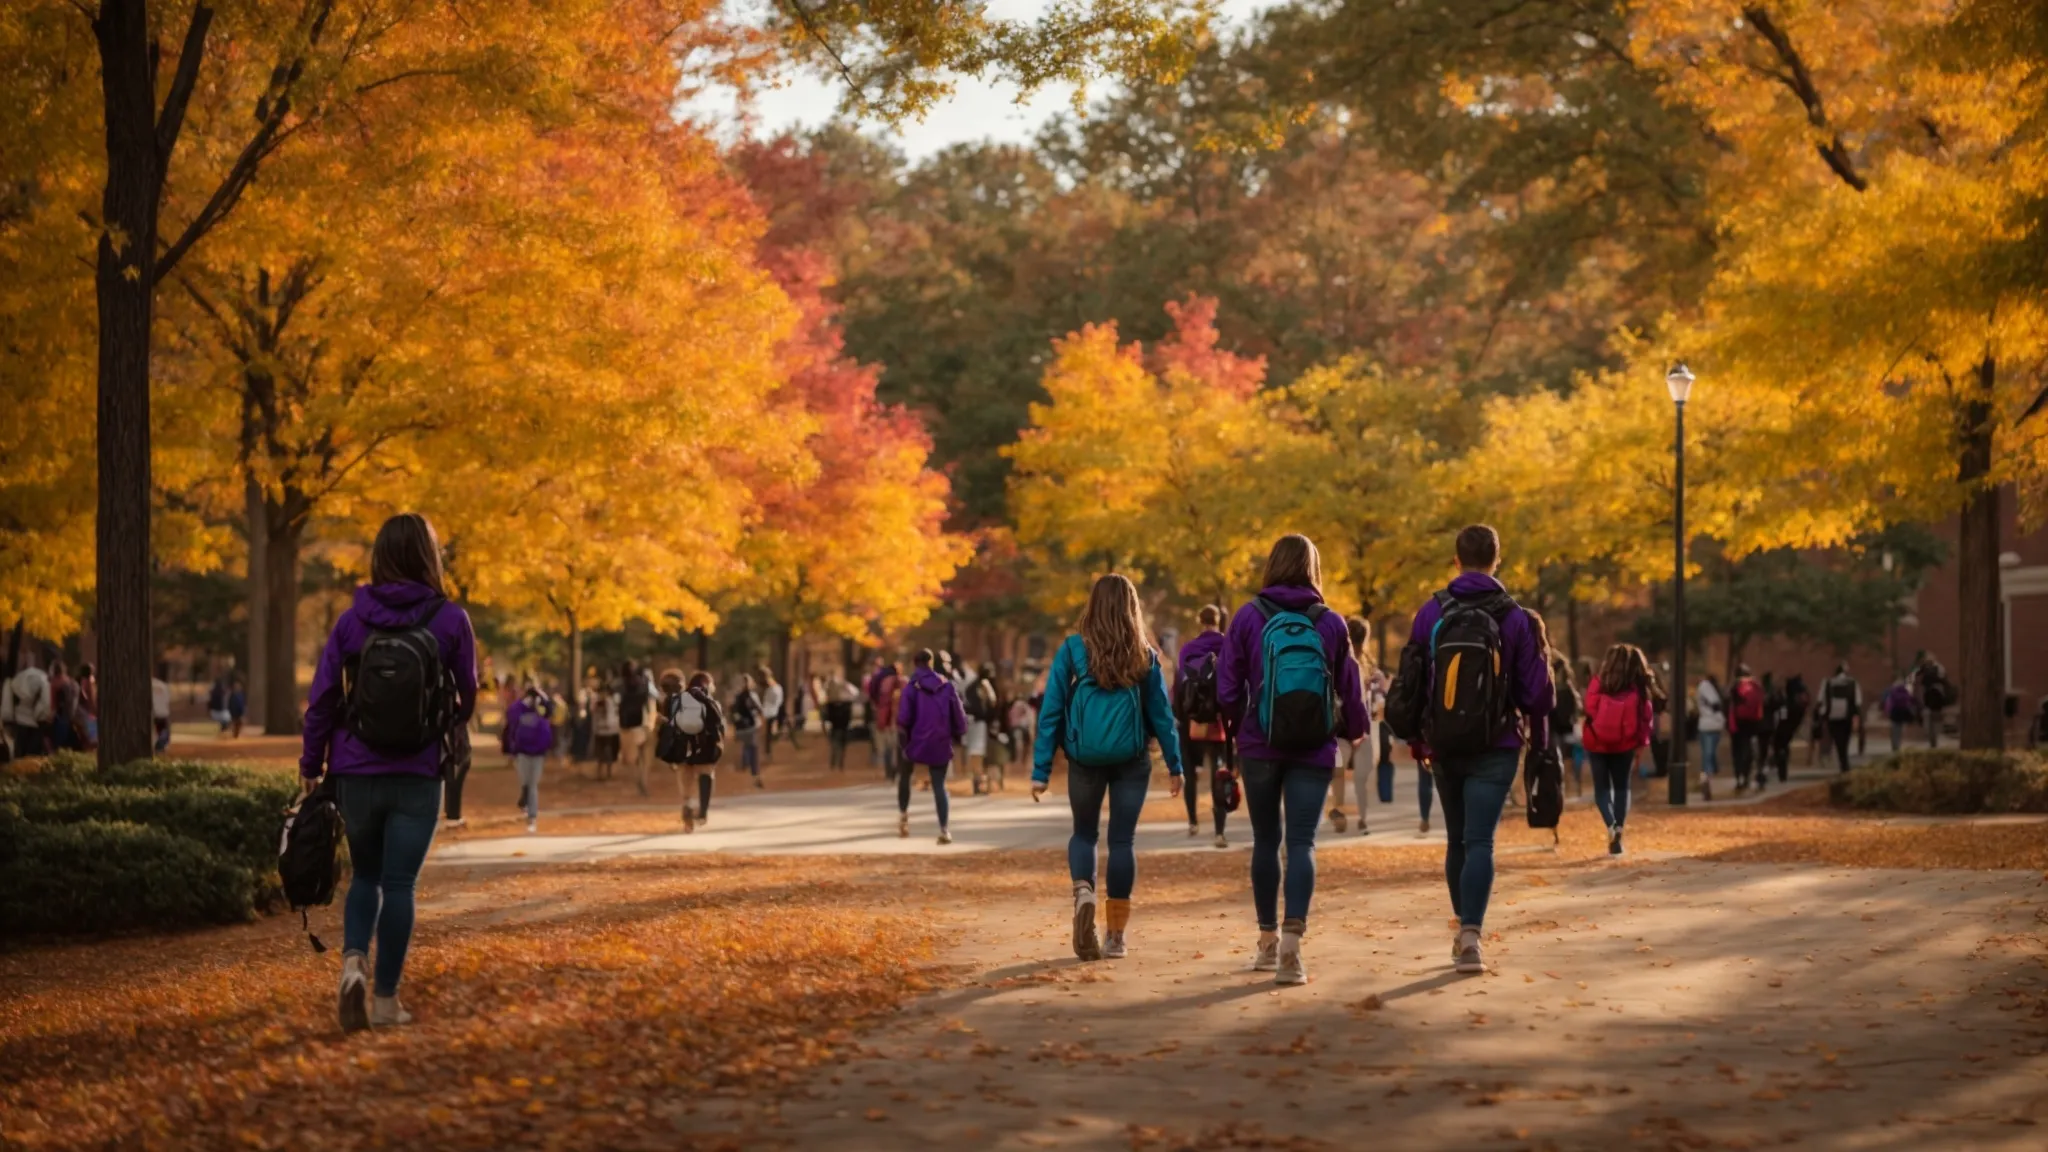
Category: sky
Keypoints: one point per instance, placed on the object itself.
(978, 110)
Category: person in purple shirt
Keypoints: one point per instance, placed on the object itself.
(930, 718)
(389, 802)
(1203, 742)
(1475, 788)
(1297, 782)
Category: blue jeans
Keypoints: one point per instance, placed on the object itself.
(1270, 786)
(1125, 785)
(750, 750)
(939, 798)
(1474, 790)
(1423, 789)
(1611, 785)
(1710, 753)
(390, 821)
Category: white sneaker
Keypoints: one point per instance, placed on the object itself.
(1086, 946)
(945, 837)
(1113, 947)
(533, 825)
(387, 1012)
(355, 993)
(1288, 968)
(1221, 842)
(1469, 960)
(1194, 829)
(1267, 957)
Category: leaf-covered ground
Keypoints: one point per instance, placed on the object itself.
(686, 1001)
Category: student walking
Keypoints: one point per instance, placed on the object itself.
(636, 719)
(1204, 738)
(885, 691)
(1618, 725)
(1568, 717)
(1899, 709)
(1355, 757)
(397, 674)
(530, 722)
(1842, 697)
(839, 697)
(1792, 713)
(929, 719)
(774, 714)
(748, 718)
(605, 730)
(28, 708)
(1288, 677)
(983, 713)
(1486, 679)
(1105, 701)
(1937, 693)
(1751, 722)
(1713, 709)
(691, 739)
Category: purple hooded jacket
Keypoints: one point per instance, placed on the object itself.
(533, 738)
(1529, 666)
(1240, 676)
(328, 743)
(930, 717)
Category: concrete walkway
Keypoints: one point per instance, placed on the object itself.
(1675, 1005)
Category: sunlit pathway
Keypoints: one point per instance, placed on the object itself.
(1673, 1004)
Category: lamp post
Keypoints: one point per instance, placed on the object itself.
(1679, 382)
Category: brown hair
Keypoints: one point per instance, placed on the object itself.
(671, 680)
(1112, 628)
(1210, 616)
(1360, 631)
(1294, 562)
(407, 550)
(1623, 670)
(1478, 547)
(701, 680)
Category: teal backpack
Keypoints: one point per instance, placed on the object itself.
(1298, 699)
(1105, 728)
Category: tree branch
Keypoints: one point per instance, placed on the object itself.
(1800, 81)
(803, 17)
(172, 118)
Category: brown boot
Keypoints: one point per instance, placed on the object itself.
(1115, 915)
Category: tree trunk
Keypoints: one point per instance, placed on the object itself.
(703, 650)
(1571, 628)
(14, 646)
(1980, 669)
(574, 682)
(281, 712)
(256, 662)
(783, 647)
(125, 276)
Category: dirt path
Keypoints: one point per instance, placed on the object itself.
(1655, 1004)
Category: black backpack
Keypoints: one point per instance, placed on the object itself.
(633, 701)
(1543, 786)
(1566, 714)
(705, 746)
(1407, 704)
(308, 859)
(981, 701)
(1470, 705)
(398, 695)
(1937, 691)
(1195, 695)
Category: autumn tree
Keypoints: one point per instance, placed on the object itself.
(1149, 463)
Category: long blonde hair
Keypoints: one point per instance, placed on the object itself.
(1112, 628)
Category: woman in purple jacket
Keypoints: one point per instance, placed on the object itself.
(1296, 781)
(931, 719)
(389, 800)
(1203, 741)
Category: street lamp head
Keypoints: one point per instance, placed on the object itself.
(1679, 381)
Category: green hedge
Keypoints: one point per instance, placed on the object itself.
(1946, 782)
(147, 845)
(113, 876)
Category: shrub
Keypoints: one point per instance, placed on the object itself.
(152, 844)
(240, 824)
(1946, 782)
(104, 876)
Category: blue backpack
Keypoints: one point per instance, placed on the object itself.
(1298, 700)
(1105, 727)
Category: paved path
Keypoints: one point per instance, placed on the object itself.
(862, 820)
(1674, 1005)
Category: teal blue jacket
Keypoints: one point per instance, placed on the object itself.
(1068, 665)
